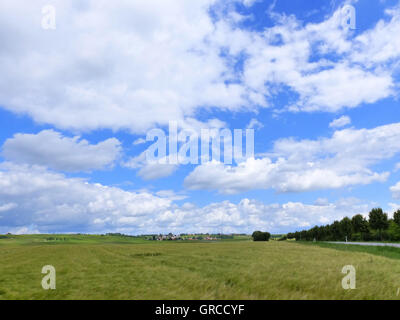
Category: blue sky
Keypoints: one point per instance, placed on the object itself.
(78, 97)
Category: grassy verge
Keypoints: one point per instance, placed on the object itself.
(388, 252)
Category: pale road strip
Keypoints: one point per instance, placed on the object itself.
(375, 244)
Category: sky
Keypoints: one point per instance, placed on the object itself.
(83, 83)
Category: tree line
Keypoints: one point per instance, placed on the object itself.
(377, 227)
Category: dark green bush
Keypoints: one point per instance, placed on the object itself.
(261, 236)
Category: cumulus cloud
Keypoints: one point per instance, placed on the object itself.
(283, 176)
(23, 230)
(139, 64)
(395, 190)
(255, 124)
(134, 65)
(393, 208)
(298, 57)
(340, 122)
(150, 169)
(128, 64)
(7, 206)
(378, 46)
(54, 203)
(51, 149)
(50, 202)
(296, 166)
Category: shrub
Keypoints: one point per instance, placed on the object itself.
(261, 236)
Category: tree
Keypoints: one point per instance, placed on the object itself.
(396, 217)
(360, 225)
(346, 227)
(261, 236)
(378, 220)
(313, 233)
(336, 231)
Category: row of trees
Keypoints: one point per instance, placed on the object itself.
(377, 227)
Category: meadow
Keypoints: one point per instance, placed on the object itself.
(110, 267)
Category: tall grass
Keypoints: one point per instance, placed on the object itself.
(173, 270)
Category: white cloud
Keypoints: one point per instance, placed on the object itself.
(343, 86)
(51, 149)
(378, 46)
(249, 3)
(128, 64)
(139, 141)
(170, 194)
(23, 230)
(148, 169)
(255, 124)
(134, 64)
(7, 206)
(340, 122)
(153, 171)
(395, 190)
(393, 208)
(138, 64)
(283, 176)
(160, 168)
(342, 160)
(50, 202)
(297, 57)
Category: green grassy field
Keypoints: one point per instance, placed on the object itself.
(94, 267)
(388, 252)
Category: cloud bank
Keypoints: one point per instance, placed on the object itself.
(37, 200)
(135, 65)
(343, 160)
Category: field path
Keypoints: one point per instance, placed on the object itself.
(374, 244)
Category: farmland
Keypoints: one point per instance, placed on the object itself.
(110, 267)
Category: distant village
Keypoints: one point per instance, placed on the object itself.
(190, 237)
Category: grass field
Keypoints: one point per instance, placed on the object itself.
(94, 267)
(388, 252)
